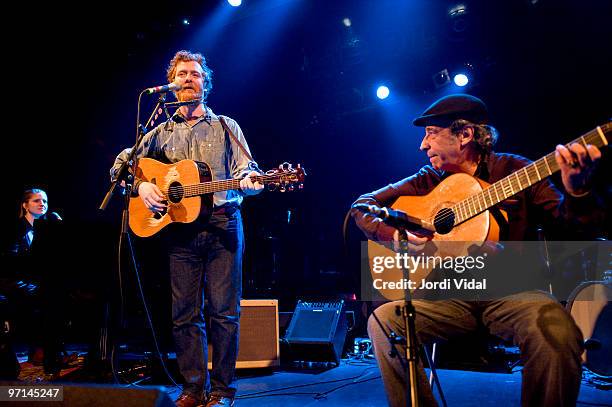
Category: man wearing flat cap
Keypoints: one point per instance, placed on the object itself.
(458, 139)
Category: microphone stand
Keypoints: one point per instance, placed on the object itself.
(409, 314)
(124, 174)
(403, 222)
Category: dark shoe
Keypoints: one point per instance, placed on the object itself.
(187, 400)
(216, 400)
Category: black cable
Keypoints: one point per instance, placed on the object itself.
(149, 321)
(252, 395)
(360, 360)
(317, 395)
(148, 314)
(324, 394)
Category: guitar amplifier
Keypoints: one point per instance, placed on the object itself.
(317, 332)
(258, 345)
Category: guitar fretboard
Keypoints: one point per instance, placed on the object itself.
(522, 179)
(222, 185)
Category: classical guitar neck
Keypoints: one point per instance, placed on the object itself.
(523, 178)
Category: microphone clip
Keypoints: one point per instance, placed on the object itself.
(398, 219)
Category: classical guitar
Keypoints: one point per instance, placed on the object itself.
(188, 188)
(457, 210)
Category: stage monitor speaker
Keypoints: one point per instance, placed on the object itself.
(92, 395)
(258, 344)
(317, 332)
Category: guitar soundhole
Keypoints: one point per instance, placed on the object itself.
(175, 192)
(444, 221)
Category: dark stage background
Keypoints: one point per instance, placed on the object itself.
(302, 86)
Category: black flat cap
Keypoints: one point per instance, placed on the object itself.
(452, 107)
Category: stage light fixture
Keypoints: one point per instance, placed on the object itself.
(461, 79)
(382, 92)
(457, 10)
(185, 22)
(346, 21)
(234, 3)
(441, 78)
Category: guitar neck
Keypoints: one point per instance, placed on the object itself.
(523, 178)
(222, 185)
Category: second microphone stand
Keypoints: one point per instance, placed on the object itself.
(408, 313)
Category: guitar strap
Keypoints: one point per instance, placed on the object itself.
(228, 130)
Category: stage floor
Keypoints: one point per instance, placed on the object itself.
(355, 383)
(360, 384)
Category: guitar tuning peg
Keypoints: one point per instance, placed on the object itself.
(284, 167)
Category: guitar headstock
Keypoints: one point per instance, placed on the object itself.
(285, 178)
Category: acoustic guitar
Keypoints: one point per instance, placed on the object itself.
(458, 210)
(188, 189)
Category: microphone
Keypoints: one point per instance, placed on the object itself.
(397, 219)
(163, 89)
(54, 216)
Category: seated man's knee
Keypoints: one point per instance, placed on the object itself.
(556, 330)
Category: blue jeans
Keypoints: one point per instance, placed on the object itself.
(206, 262)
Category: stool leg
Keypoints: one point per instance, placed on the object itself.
(433, 360)
(434, 374)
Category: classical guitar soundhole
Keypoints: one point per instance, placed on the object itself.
(175, 192)
(444, 221)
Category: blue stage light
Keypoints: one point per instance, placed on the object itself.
(382, 92)
(234, 3)
(461, 79)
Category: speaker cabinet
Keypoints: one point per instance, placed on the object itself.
(258, 345)
(317, 332)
